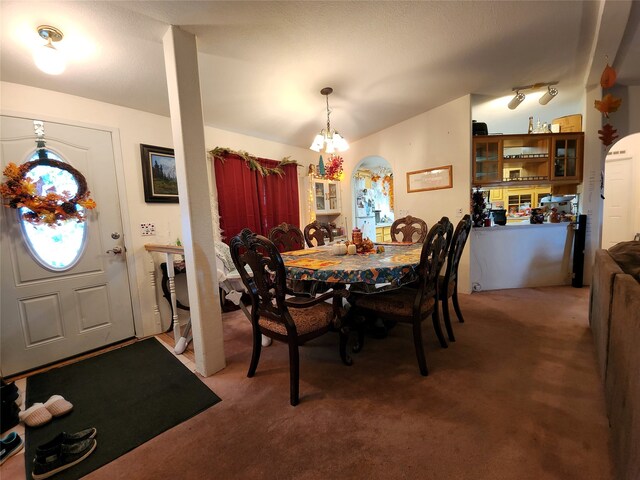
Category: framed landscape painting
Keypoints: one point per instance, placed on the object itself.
(159, 174)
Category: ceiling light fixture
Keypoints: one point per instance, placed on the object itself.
(550, 95)
(515, 101)
(544, 99)
(47, 57)
(328, 140)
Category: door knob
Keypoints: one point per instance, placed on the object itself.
(115, 250)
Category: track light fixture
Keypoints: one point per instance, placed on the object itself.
(550, 95)
(544, 99)
(517, 100)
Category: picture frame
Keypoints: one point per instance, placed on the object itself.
(436, 178)
(159, 174)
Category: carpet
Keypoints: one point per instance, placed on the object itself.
(130, 395)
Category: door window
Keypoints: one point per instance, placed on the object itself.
(57, 247)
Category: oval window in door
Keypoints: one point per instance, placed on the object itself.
(59, 247)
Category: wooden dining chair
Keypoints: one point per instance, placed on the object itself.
(287, 237)
(413, 305)
(292, 320)
(413, 229)
(448, 283)
(316, 231)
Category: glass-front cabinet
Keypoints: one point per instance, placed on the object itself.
(528, 159)
(486, 167)
(326, 196)
(567, 158)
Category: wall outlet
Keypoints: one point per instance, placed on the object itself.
(147, 229)
(459, 213)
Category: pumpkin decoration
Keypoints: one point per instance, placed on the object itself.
(608, 104)
(607, 135)
(608, 78)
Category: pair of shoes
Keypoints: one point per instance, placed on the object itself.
(9, 446)
(40, 413)
(64, 451)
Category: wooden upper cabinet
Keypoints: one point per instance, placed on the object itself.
(566, 157)
(529, 159)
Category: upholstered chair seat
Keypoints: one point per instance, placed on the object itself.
(396, 304)
(306, 320)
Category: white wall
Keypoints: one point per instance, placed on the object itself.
(136, 127)
(500, 119)
(441, 136)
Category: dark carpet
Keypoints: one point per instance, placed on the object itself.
(130, 395)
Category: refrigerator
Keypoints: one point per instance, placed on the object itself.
(367, 223)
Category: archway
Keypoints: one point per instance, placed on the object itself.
(373, 197)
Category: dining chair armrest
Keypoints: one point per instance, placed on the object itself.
(305, 302)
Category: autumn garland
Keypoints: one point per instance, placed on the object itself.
(51, 209)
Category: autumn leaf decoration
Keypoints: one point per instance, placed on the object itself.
(607, 105)
(51, 208)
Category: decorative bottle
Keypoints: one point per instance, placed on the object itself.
(530, 130)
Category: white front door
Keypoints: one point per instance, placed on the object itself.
(49, 313)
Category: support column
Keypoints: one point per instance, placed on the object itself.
(196, 194)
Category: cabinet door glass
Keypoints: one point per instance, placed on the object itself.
(565, 158)
(486, 156)
(319, 189)
(333, 196)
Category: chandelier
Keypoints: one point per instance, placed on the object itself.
(328, 140)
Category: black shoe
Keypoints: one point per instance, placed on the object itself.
(9, 446)
(62, 457)
(46, 449)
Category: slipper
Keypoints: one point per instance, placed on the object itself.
(58, 406)
(35, 416)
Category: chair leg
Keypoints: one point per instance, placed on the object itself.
(456, 305)
(344, 339)
(447, 319)
(437, 327)
(294, 373)
(257, 348)
(417, 342)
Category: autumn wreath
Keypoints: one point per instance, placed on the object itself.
(51, 209)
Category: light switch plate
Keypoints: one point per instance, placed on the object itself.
(147, 229)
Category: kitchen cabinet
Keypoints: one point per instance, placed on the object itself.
(566, 154)
(383, 233)
(529, 159)
(326, 196)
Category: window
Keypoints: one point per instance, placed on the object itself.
(56, 248)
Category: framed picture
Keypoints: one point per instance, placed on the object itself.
(430, 179)
(159, 174)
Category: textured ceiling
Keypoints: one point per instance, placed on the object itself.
(262, 64)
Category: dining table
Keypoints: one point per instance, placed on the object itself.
(388, 266)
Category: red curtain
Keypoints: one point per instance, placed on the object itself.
(279, 196)
(246, 199)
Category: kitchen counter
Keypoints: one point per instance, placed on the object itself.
(521, 255)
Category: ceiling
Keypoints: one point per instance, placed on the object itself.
(262, 64)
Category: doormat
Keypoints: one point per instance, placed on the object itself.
(130, 395)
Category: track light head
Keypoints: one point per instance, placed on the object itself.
(517, 100)
(548, 96)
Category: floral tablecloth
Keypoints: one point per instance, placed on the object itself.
(363, 272)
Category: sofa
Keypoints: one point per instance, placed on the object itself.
(614, 316)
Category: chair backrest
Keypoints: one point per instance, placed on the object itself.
(431, 259)
(266, 280)
(286, 237)
(413, 229)
(456, 247)
(316, 230)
